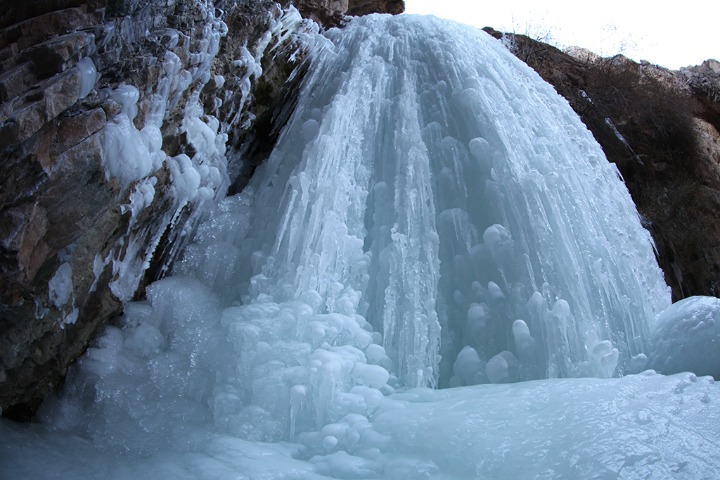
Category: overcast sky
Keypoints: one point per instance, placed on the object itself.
(673, 34)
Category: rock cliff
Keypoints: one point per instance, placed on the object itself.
(117, 119)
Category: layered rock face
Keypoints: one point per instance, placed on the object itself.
(117, 121)
(661, 128)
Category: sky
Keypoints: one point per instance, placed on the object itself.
(670, 34)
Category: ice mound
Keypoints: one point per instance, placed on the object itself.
(687, 338)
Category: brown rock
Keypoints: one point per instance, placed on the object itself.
(38, 107)
(40, 28)
(77, 194)
(72, 130)
(59, 53)
(365, 7)
(23, 230)
(325, 12)
(16, 81)
(330, 13)
(56, 204)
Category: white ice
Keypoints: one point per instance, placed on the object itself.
(687, 338)
(433, 215)
(88, 76)
(635, 427)
(60, 294)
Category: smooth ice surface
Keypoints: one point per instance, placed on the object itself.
(88, 76)
(432, 215)
(687, 337)
(639, 426)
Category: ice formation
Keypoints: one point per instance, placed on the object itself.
(687, 337)
(432, 215)
(60, 293)
(132, 156)
(88, 76)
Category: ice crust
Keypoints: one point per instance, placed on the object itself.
(432, 215)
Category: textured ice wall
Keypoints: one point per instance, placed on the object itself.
(432, 213)
(440, 178)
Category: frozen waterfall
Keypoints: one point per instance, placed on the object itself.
(433, 215)
(437, 188)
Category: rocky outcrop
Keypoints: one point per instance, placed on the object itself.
(365, 7)
(103, 107)
(332, 13)
(661, 128)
